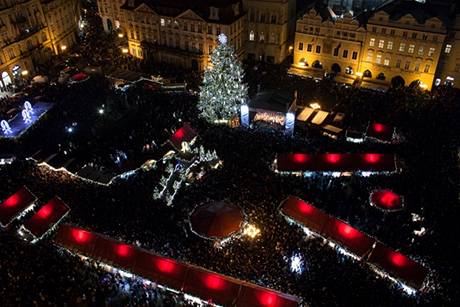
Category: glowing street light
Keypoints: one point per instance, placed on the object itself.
(251, 231)
(124, 50)
(101, 111)
(120, 35)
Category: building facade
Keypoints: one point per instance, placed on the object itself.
(181, 34)
(270, 29)
(399, 43)
(324, 42)
(31, 31)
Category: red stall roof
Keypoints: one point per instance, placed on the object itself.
(398, 265)
(336, 162)
(350, 238)
(184, 134)
(380, 132)
(386, 200)
(168, 272)
(14, 205)
(46, 217)
(305, 213)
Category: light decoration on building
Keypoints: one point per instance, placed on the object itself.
(26, 116)
(297, 264)
(5, 127)
(251, 231)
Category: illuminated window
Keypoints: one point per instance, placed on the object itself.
(431, 51)
(251, 36)
(372, 42)
(370, 55)
(420, 51)
(448, 48)
(390, 45)
(402, 47)
(411, 49)
(162, 22)
(386, 62)
(427, 68)
(378, 59)
(261, 36)
(381, 43)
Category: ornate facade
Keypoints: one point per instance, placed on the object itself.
(399, 42)
(32, 30)
(182, 34)
(270, 27)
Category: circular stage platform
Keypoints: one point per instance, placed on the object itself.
(216, 220)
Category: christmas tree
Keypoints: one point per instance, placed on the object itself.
(223, 89)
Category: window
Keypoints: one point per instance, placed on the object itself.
(272, 37)
(448, 48)
(384, 30)
(162, 22)
(417, 66)
(273, 19)
(318, 49)
(427, 68)
(398, 63)
(309, 47)
(411, 49)
(300, 46)
(392, 32)
(251, 36)
(262, 18)
(381, 43)
(345, 53)
(354, 55)
(372, 42)
(414, 35)
(404, 34)
(431, 51)
(374, 29)
(390, 45)
(386, 62)
(424, 37)
(378, 59)
(336, 51)
(407, 65)
(420, 51)
(209, 29)
(262, 37)
(402, 47)
(370, 55)
(435, 38)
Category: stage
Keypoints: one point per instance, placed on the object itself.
(19, 126)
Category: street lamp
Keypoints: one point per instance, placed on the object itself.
(125, 50)
(120, 35)
(63, 47)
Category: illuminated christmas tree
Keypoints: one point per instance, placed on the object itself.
(223, 89)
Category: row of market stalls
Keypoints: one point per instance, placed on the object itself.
(41, 222)
(192, 280)
(330, 163)
(384, 260)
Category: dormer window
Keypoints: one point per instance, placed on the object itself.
(214, 13)
(236, 9)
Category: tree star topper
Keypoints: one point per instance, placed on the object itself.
(222, 38)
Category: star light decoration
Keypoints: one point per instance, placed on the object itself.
(222, 38)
